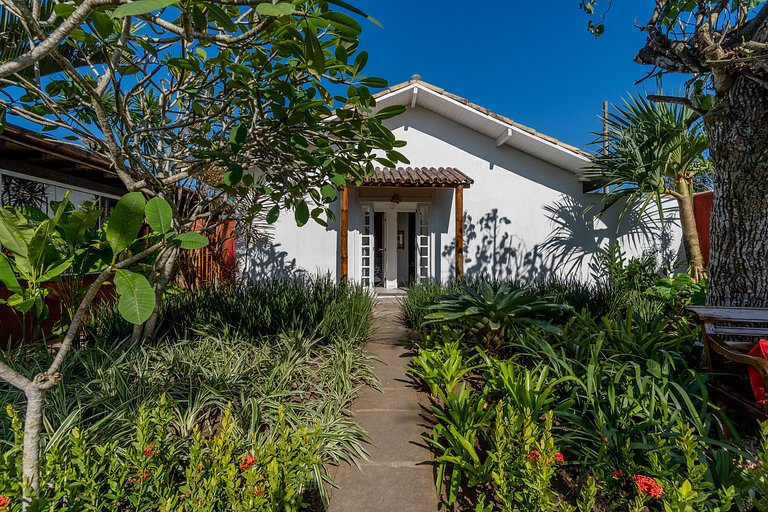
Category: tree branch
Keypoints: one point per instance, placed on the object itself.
(54, 39)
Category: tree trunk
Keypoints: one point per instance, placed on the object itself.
(163, 270)
(33, 422)
(690, 233)
(738, 135)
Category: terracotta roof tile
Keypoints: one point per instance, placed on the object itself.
(418, 177)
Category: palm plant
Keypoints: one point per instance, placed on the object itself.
(652, 151)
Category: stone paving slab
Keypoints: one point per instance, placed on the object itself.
(385, 489)
(398, 476)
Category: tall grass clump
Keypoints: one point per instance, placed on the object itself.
(309, 304)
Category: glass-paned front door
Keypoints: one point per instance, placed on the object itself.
(367, 247)
(423, 244)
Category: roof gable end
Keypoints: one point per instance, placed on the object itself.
(502, 129)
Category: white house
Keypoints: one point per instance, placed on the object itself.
(506, 196)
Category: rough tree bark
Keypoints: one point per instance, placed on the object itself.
(738, 135)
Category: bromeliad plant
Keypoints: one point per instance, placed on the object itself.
(43, 248)
(490, 313)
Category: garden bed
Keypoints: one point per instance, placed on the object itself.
(602, 405)
(239, 403)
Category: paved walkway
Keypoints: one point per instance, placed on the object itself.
(398, 476)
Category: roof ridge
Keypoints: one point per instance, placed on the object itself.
(416, 80)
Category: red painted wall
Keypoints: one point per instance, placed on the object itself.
(13, 325)
(702, 209)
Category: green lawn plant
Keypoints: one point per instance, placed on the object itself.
(42, 248)
(620, 393)
(295, 381)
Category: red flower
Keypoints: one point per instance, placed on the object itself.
(559, 457)
(148, 451)
(248, 461)
(4, 500)
(647, 485)
(617, 474)
(141, 477)
(533, 455)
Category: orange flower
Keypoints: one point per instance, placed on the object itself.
(533, 455)
(258, 490)
(4, 501)
(248, 461)
(141, 477)
(647, 485)
(559, 457)
(617, 474)
(148, 452)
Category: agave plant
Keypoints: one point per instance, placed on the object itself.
(491, 312)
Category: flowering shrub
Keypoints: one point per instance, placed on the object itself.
(525, 459)
(158, 471)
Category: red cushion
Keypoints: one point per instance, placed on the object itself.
(758, 386)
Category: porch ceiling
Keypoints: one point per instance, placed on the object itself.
(418, 177)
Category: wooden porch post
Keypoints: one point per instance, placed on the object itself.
(344, 252)
(459, 232)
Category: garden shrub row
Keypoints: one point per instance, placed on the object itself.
(599, 407)
(239, 403)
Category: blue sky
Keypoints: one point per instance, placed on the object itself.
(538, 66)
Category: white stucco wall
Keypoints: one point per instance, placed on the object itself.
(523, 217)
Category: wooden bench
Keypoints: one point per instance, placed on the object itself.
(729, 333)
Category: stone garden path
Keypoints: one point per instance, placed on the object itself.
(398, 476)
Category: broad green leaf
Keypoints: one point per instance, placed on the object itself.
(56, 269)
(64, 10)
(77, 223)
(191, 240)
(139, 7)
(279, 9)
(313, 52)
(237, 137)
(39, 245)
(376, 83)
(344, 25)
(329, 193)
(352, 8)
(137, 297)
(338, 180)
(125, 222)
(159, 214)
(302, 213)
(19, 303)
(273, 214)
(15, 233)
(7, 276)
(103, 24)
(233, 175)
(391, 111)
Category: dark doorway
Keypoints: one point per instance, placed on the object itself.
(378, 244)
(411, 243)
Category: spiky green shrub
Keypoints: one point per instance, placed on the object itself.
(491, 313)
(314, 305)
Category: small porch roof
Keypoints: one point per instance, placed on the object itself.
(418, 177)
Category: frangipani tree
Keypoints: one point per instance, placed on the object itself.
(168, 90)
(189, 101)
(652, 151)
